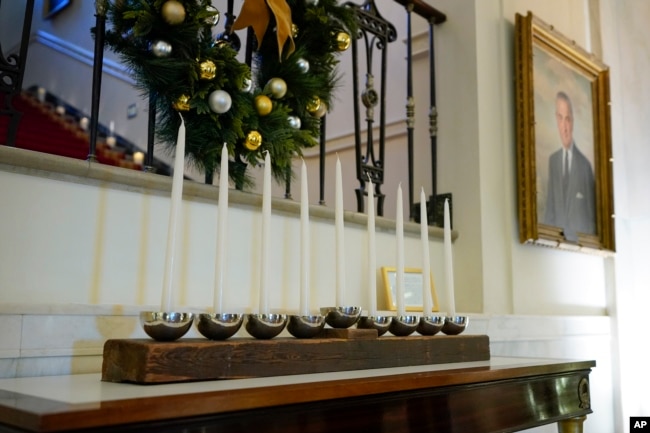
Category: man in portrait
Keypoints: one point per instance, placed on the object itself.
(571, 201)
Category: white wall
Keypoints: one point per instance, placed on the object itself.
(101, 242)
(628, 55)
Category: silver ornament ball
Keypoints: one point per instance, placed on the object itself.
(213, 20)
(161, 48)
(247, 85)
(294, 122)
(219, 101)
(303, 65)
(312, 2)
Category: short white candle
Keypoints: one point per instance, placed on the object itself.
(372, 253)
(83, 123)
(174, 214)
(427, 299)
(449, 266)
(266, 235)
(340, 247)
(304, 242)
(41, 94)
(399, 234)
(222, 224)
(138, 158)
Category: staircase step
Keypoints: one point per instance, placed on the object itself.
(41, 129)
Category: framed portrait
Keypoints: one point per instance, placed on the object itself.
(564, 150)
(413, 289)
(53, 7)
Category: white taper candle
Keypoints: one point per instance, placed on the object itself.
(304, 242)
(266, 235)
(427, 299)
(222, 224)
(339, 228)
(372, 253)
(449, 266)
(399, 234)
(174, 214)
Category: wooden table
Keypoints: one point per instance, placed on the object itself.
(499, 395)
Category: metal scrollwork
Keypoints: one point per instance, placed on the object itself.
(375, 33)
(12, 69)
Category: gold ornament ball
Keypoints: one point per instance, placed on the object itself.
(207, 70)
(342, 41)
(277, 87)
(173, 12)
(322, 110)
(294, 30)
(182, 103)
(314, 105)
(253, 140)
(263, 105)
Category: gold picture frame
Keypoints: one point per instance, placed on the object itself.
(562, 96)
(413, 293)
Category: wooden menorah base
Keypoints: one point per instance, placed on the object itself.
(145, 361)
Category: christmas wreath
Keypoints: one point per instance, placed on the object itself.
(274, 104)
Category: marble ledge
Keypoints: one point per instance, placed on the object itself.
(32, 163)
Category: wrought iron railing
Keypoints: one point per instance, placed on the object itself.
(12, 71)
(374, 34)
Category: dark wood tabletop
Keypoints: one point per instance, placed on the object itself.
(502, 394)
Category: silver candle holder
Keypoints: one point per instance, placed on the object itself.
(341, 317)
(305, 326)
(430, 325)
(265, 326)
(219, 326)
(455, 325)
(402, 326)
(380, 323)
(166, 325)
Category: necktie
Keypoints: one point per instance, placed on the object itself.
(565, 173)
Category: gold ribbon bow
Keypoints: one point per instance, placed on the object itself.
(256, 14)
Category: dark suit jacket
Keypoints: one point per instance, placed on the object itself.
(575, 212)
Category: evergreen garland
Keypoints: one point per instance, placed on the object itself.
(138, 25)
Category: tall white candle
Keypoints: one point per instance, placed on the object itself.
(340, 247)
(222, 224)
(266, 235)
(449, 266)
(304, 243)
(427, 300)
(399, 234)
(372, 253)
(111, 128)
(174, 214)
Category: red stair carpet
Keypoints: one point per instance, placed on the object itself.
(42, 129)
